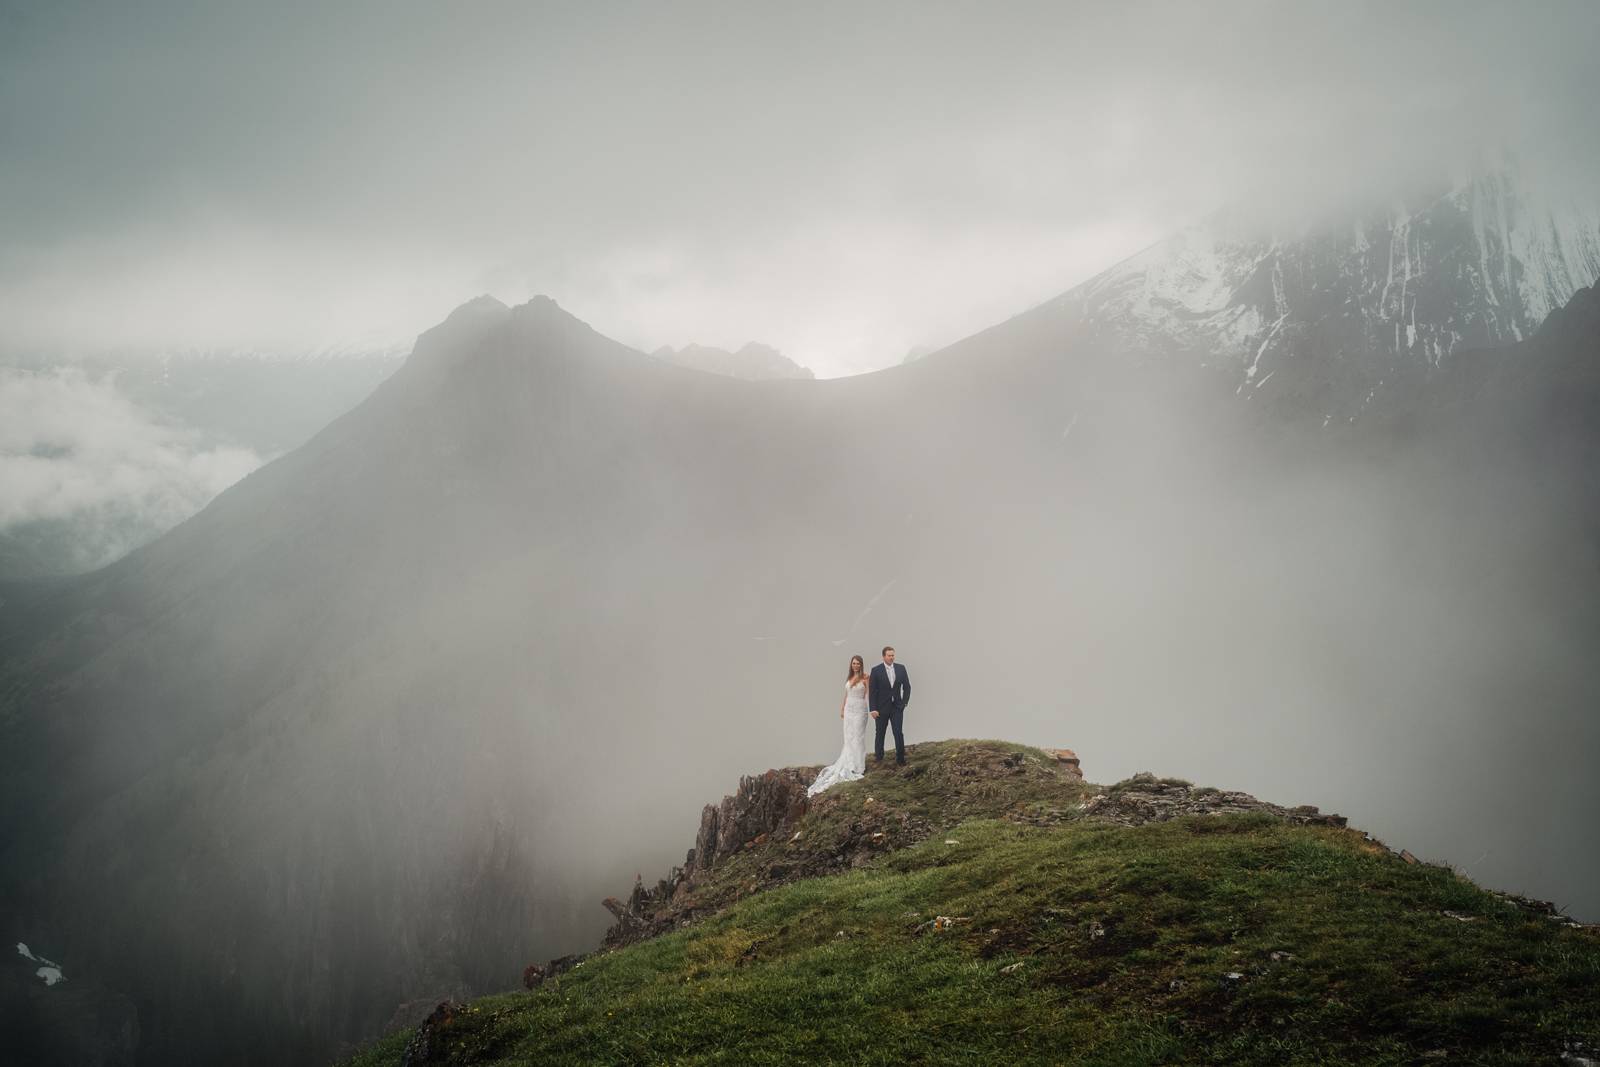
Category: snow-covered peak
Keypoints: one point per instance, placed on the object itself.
(1332, 311)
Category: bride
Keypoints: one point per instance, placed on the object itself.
(852, 761)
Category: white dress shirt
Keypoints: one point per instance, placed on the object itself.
(888, 668)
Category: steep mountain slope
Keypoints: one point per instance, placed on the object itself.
(1047, 922)
(1324, 319)
(381, 723)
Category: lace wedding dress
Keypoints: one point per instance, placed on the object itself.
(852, 761)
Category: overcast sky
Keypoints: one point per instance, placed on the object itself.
(840, 181)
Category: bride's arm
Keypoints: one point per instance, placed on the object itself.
(841, 704)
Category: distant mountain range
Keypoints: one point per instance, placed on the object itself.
(381, 723)
(1327, 317)
(754, 362)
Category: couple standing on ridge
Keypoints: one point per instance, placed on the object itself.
(883, 696)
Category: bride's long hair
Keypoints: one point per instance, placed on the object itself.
(858, 669)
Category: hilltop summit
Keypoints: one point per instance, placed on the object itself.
(985, 904)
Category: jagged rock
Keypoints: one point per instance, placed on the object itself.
(764, 806)
(427, 1044)
(630, 920)
(705, 842)
(1068, 760)
(1146, 798)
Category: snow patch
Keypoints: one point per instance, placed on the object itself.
(49, 971)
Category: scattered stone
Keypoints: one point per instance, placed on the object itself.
(1436, 1054)
(533, 976)
(951, 841)
(840, 936)
(1145, 798)
(1010, 969)
(1233, 976)
(1278, 957)
(944, 922)
(1459, 917)
(796, 836)
(1175, 985)
(1408, 857)
(1542, 907)
(1096, 931)
(1577, 1054)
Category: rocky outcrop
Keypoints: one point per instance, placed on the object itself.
(1067, 760)
(1146, 798)
(768, 832)
(427, 1043)
(764, 806)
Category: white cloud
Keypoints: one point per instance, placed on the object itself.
(74, 449)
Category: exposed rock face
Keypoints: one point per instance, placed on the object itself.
(1068, 760)
(762, 805)
(1146, 798)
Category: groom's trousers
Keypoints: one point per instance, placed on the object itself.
(885, 720)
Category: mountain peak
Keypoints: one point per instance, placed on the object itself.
(540, 304)
(480, 305)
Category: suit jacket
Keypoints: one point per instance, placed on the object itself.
(884, 697)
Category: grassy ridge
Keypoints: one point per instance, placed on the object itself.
(1222, 939)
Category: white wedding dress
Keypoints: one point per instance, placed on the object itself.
(852, 761)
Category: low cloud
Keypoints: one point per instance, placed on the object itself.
(78, 453)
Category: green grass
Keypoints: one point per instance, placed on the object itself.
(1123, 936)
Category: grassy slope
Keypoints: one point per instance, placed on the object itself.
(1086, 943)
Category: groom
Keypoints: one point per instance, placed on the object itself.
(890, 692)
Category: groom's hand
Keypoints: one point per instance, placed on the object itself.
(874, 715)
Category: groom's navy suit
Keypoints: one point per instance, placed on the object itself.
(890, 701)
